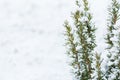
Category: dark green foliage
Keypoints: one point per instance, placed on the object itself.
(73, 53)
(87, 65)
(82, 42)
(98, 67)
(113, 40)
(113, 17)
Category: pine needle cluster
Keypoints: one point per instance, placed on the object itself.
(112, 40)
(80, 41)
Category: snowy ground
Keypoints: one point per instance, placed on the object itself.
(31, 38)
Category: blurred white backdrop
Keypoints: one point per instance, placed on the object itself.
(31, 37)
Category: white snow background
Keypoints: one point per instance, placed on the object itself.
(31, 37)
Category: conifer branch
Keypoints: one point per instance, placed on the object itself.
(98, 67)
(85, 32)
(113, 45)
(73, 53)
